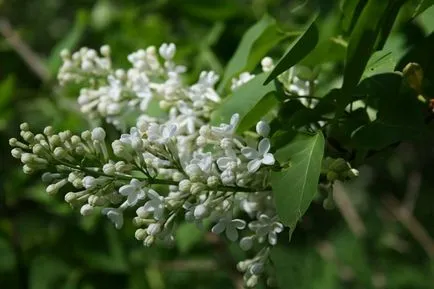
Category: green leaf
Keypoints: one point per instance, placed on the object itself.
(400, 115)
(244, 101)
(380, 62)
(350, 12)
(187, 236)
(254, 45)
(295, 187)
(362, 43)
(70, 41)
(298, 50)
(422, 6)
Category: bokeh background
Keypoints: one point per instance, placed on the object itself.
(378, 237)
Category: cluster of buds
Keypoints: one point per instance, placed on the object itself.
(338, 169)
(169, 168)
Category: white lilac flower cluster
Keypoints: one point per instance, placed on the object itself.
(167, 169)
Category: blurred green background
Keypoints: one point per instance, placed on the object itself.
(44, 244)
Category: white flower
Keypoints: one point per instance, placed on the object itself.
(242, 79)
(155, 205)
(134, 138)
(226, 130)
(261, 156)
(161, 133)
(167, 51)
(203, 161)
(133, 192)
(230, 226)
(267, 226)
(115, 215)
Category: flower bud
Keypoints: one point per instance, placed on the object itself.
(88, 182)
(109, 169)
(86, 210)
(140, 234)
(184, 186)
(105, 50)
(252, 281)
(177, 176)
(201, 211)
(142, 213)
(27, 136)
(28, 170)
(262, 128)
(153, 229)
(212, 181)
(246, 243)
(98, 134)
(149, 240)
(55, 140)
(16, 153)
(193, 170)
(24, 126)
(48, 131)
(60, 153)
(256, 268)
(197, 188)
(201, 141)
(86, 135)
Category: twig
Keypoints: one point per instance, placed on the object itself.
(413, 187)
(34, 62)
(403, 215)
(348, 210)
(190, 265)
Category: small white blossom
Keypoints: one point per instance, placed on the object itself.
(133, 191)
(229, 226)
(227, 130)
(258, 157)
(155, 205)
(161, 133)
(266, 226)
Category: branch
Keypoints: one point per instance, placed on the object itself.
(348, 211)
(34, 62)
(403, 215)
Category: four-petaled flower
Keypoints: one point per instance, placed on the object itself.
(134, 191)
(258, 157)
(115, 216)
(226, 130)
(230, 226)
(155, 205)
(267, 226)
(161, 133)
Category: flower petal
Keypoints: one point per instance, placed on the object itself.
(254, 165)
(250, 153)
(126, 190)
(239, 224)
(264, 146)
(218, 228)
(231, 233)
(268, 159)
(223, 162)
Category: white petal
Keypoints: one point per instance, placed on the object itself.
(234, 119)
(264, 146)
(126, 190)
(254, 165)
(153, 195)
(231, 233)
(268, 159)
(218, 228)
(246, 243)
(239, 224)
(223, 162)
(250, 153)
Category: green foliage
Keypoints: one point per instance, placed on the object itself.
(366, 113)
(296, 185)
(244, 100)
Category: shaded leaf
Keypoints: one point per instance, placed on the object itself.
(298, 50)
(295, 187)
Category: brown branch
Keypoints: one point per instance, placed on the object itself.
(403, 215)
(34, 62)
(348, 211)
